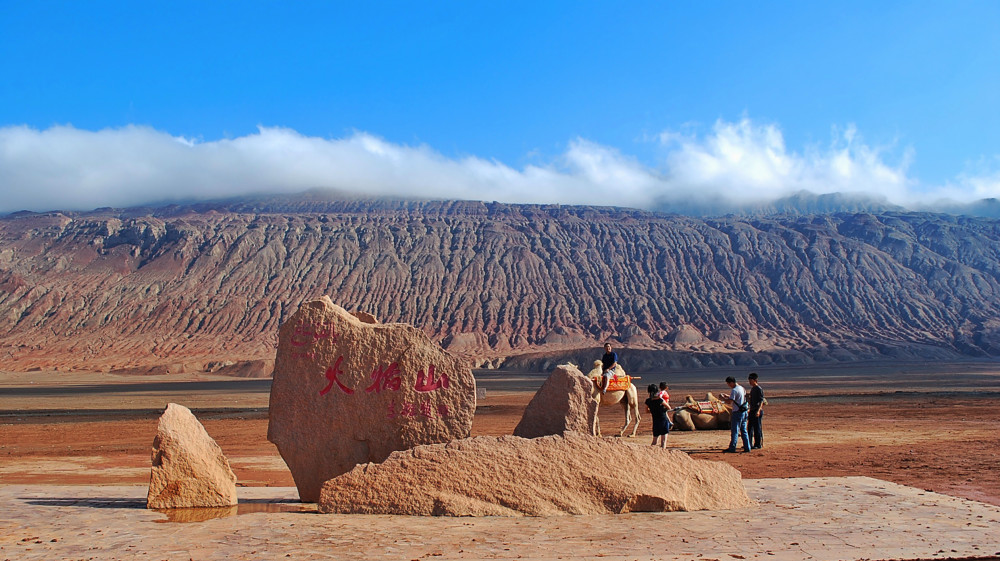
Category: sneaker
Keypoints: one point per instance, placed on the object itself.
(729, 450)
(746, 450)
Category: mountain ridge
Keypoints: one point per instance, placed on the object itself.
(191, 286)
(331, 200)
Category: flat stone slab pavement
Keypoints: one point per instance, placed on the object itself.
(842, 518)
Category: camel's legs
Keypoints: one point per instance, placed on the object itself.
(631, 408)
(635, 409)
(628, 417)
(596, 430)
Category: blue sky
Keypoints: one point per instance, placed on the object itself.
(621, 102)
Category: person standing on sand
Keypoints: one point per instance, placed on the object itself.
(757, 403)
(738, 419)
(608, 363)
(658, 411)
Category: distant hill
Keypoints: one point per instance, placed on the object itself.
(988, 208)
(804, 202)
(799, 203)
(204, 285)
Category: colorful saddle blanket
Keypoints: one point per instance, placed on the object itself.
(711, 407)
(619, 383)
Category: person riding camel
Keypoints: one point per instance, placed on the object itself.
(608, 363)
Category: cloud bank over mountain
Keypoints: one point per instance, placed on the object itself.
(737, 162)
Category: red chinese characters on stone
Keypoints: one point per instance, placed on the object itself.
(331, 375)
(385, 379)
(426, 383)
(425, 409)
(390, 378)
(407, 409)
(306, 333)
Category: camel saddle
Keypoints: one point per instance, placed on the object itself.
(618, 383)
(715, 407)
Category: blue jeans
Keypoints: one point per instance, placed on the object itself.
(738, 428)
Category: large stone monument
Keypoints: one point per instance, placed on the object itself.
(189, 469)
(348, 392)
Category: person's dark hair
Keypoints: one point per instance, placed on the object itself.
(752, 376)
(730, 379)
(663, 385)
(651, 389)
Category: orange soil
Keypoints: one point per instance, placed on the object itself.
(937, 444)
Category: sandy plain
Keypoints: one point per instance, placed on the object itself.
(934, 427)
(859, 462)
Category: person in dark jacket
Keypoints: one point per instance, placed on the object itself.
(608, 363)
(757, 403)
(658, 411)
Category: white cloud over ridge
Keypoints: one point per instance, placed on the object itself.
(750, 162)
(71, 169)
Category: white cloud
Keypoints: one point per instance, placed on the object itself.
(980, 181)
(748, 162)
(67, 168)
(980, 187)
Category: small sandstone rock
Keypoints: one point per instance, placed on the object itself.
(563, 403)
(365, 317)
(189, 468)
(552, 475)
(346, 392)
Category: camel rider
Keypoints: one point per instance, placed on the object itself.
(608, 363)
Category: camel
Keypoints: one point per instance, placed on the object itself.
(713, 413)
(628, 398)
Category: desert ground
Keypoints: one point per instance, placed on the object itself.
(930, 426)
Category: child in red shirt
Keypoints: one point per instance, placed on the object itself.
(664, 394)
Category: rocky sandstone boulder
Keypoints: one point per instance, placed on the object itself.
(563, 403)
(552, 475)
(348, 392)
(189, 468)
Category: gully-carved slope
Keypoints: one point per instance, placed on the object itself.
(202, 285)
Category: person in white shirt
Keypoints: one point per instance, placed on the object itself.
(738, 420)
